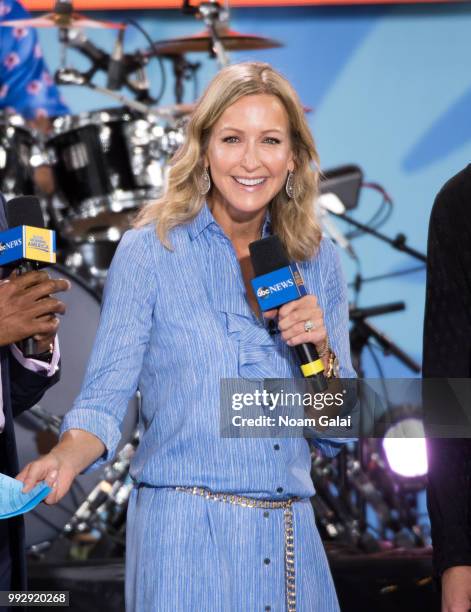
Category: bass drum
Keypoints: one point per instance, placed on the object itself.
(36, 430)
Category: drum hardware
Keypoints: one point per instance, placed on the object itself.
(215, 17)
(183, 70)
(50, 422)
(71, 76)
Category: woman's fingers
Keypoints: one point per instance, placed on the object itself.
(60, 486)
(36, 472)
(308, 302)
(293, 318)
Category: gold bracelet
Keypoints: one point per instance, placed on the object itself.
(333, 366)
(324, 350)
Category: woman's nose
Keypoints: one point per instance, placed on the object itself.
(250, 160)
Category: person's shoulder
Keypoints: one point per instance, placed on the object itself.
(145, 241)
(137, 244)
(324, 259)
(455, 196)
(325, 252)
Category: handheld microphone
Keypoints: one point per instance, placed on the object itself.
(277, 282)
(116, 64)
(27, 245)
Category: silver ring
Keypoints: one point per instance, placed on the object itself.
(308, 325)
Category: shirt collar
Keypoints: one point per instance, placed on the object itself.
(204, 219)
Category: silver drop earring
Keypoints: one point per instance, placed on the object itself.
(289, 187)
(205, 183)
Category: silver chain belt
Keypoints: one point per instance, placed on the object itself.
(267, 504)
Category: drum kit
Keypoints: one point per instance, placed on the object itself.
(106, 164)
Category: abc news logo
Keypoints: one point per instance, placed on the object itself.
(264, 292)
(4, 246)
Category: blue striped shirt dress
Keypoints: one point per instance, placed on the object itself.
(173, 324)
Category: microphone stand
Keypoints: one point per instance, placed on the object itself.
(398, 243)
(362, 331)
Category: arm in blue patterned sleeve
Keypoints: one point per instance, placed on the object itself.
(336, 318)
(122, 338)
(26, 85)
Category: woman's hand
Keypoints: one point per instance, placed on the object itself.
(291, 320)
(55, 470)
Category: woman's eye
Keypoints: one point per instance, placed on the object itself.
(230, 139)
(272, 140)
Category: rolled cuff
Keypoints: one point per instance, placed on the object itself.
(98, 423)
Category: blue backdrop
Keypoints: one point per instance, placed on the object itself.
(391, 91)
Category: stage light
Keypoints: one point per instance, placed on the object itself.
(404, 448)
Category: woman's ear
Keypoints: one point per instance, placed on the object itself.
(291, 163)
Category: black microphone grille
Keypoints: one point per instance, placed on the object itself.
(267, 255)
(24, 210)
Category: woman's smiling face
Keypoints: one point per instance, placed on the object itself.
(249, 154)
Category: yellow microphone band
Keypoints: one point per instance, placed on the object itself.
(313, 368)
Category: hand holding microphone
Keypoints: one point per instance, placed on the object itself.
(279, 284)
(27, 308)
(293, 323)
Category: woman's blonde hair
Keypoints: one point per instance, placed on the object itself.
(292, 219)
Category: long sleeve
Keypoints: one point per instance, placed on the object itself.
(447, 354)
(337, 324)
(28, 387)
(122, 338)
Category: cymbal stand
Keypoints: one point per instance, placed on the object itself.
(63, 10)
(182, 70)
(214, 16)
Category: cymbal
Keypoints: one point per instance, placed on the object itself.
(201, 42)
(55, 20)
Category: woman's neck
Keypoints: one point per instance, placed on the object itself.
(240, 228)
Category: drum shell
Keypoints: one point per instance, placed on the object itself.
(17, 144)
(107, 164)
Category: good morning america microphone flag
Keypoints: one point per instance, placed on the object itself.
(27, 243)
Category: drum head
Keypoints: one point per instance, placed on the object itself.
(76, 335)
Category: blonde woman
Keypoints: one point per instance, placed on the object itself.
(178, 316)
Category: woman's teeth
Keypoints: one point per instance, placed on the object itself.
(249, 182)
